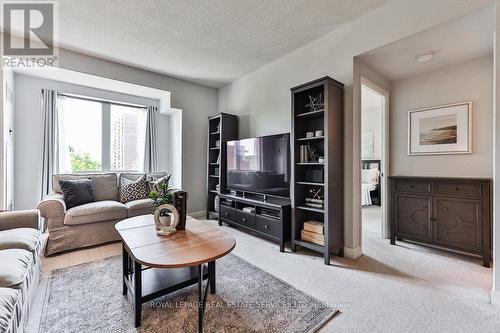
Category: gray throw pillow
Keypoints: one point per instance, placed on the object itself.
(133, 189)
(155, 184)
(77, 192)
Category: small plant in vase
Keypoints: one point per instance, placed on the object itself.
(163, 199)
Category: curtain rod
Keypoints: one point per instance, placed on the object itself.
(95, 99)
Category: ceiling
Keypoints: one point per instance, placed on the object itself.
(465, 38)
(208, 42)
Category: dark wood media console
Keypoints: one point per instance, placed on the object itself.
(270, 218)
(452, 213)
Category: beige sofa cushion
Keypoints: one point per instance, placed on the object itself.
(15, 265)
(140, 204)
(95, 212)
(21, 238)
(105, 185)
(10, 309)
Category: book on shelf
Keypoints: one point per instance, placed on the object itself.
(314, 226)
(312, 237)
(314, 205)
(314, 200)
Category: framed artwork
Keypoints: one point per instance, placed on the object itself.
(444, 129)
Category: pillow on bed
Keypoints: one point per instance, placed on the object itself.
(369, 175)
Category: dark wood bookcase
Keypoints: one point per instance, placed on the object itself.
(325, 114)
(222, 127)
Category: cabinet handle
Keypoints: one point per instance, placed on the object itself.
(456, 188)
(411, 186)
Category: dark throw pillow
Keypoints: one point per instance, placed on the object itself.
(133, 189)
(77, 192)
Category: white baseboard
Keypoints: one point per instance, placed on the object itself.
(352, 253)
(495, 297)
(198, 215)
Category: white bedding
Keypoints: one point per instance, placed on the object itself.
(370, 179)
(366, 188)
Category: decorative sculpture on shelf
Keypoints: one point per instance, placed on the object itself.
(315, 103)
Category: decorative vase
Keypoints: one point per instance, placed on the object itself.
(165, 219)
(216, 203)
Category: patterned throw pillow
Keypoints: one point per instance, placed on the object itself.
(155, 184)
(133, 189)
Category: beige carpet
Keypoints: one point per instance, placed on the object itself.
(403, 288)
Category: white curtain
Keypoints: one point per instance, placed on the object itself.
(50, 139)
(150, 151)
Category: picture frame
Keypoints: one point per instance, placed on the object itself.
(440, 130)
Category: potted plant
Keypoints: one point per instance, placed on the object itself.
(162, 197)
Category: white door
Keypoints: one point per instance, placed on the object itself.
(382, 98)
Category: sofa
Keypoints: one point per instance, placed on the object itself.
(20, 247)
(92, 223)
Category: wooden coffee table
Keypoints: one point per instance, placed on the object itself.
(154, 265)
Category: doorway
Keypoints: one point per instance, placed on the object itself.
(374, 159)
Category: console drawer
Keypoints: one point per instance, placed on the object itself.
(457, 188)
(268, 226)
(246, 219)
(227, 213)
(413, 186)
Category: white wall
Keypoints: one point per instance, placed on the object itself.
(28, 119)
(495, 293)
(371, 120)
(470, 81)
(262, 98)
(197, 103)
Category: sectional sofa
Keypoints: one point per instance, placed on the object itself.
(20, 247)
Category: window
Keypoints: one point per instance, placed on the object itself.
(128, 132)
(100, 136)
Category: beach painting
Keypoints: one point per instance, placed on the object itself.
(443, 129)
(438, 130)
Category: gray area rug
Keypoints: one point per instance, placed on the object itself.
(88, 298)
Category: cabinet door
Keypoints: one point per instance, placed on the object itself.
(458, 222)
(413, 217)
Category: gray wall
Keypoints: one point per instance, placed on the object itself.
(495, 294)
(197, 103)
(470, 81)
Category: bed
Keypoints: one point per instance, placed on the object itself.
(370, 183)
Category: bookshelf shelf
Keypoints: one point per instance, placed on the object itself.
(311, 209)
(310, 183)
(311, 114)
(315, 138)
(222, 127)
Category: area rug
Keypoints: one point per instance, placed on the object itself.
(88, 298)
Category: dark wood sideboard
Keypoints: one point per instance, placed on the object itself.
(452, 213)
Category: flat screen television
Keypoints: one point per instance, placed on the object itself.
(259, 165)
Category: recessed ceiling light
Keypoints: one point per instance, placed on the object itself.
(424, 57)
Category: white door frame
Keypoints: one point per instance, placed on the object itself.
(384, 193)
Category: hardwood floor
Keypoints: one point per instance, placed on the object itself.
(72, 258)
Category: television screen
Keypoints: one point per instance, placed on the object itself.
(259, 165)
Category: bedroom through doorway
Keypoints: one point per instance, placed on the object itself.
(374, 155)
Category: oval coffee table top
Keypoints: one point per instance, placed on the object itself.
(199, 243)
